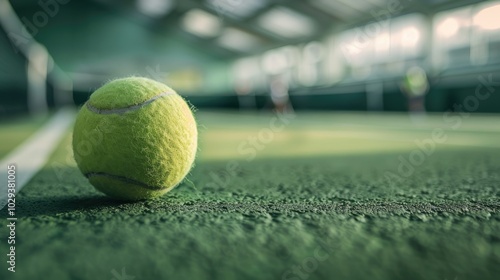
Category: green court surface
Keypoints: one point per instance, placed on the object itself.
(310, 196)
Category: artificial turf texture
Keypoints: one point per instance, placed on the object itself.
(313, 204)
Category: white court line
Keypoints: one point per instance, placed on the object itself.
(31, 155)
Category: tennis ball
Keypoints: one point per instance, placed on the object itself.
(135, 139)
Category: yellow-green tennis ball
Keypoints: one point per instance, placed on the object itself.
(135, 139)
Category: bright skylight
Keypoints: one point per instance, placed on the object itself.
(410, 37)
(201, 23)
(155, 8)
(448, 27)
(488, 18)
(238, 40)
(287, 23)
(236, 8)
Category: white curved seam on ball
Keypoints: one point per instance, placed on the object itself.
(126, 109)
(124, 179)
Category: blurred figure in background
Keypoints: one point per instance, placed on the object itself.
(246, 95)
(415, 86)
(279, 93)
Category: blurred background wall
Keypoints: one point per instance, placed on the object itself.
(333, 54)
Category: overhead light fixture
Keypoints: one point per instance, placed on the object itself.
(488, 18)
(383, 42)
(274, 62)
(238, 40)
(335, 8)
(236, 8)
(201, 23)
(314, 52)
(448, 28)
(410, 37)
(287, 23)
(155, 8)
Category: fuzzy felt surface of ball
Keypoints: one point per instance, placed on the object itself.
(135, 139)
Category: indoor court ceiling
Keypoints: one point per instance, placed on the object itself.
(258, 25)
